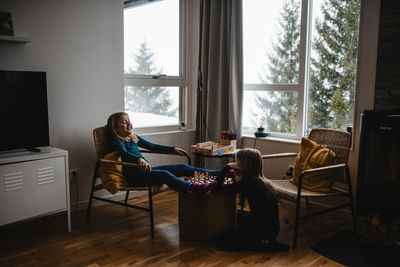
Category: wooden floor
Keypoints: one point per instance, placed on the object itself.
(118, 236)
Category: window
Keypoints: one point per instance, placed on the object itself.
(154, 72)
(300, 65)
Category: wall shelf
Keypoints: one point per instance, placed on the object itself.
(14, 39)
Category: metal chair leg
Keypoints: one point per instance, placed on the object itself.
(151, 212)
(126, 196)
(353, 214)
(296, 223)
(92, 192)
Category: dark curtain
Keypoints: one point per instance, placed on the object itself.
(220, 86)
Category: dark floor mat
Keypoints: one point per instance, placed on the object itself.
(347, 249)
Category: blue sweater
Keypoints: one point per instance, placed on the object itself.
(129, 151)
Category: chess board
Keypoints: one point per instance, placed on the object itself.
(201, 178)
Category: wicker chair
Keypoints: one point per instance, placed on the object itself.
(102, 141)
(337, 141)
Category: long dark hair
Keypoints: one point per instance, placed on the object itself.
(252, 165)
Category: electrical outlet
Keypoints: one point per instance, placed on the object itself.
(72, 173)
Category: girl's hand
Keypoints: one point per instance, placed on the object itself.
(180, 151)
(235, 166)
(144, 165)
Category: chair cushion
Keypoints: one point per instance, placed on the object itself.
(313, 155)
(111, 175)
(288, 190)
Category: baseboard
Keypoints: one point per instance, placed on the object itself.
(120, 196)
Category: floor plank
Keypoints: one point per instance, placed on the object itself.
(119, 236)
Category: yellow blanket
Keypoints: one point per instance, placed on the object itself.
(111, 175)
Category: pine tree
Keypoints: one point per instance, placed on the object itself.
(333, 68)
(147, 99)
(280, 108)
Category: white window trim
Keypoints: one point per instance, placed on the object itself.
(304, 76)
(184, 81)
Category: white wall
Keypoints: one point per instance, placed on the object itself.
(79, 43)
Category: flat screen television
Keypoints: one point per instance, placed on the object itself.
(23, 110)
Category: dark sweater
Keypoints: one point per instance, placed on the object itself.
(262, 201)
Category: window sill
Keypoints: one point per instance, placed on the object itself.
(272, 139)
(166, 132)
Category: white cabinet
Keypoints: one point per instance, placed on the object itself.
(34, 184)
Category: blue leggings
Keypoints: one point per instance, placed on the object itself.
(167, 174)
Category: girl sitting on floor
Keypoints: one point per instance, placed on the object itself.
(256, 230)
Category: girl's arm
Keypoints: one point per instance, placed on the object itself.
(118, 145)
(154, 147)
(236, 187)
(221, 176)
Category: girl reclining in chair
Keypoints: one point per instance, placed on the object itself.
(127, 144)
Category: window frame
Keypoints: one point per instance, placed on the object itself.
(302, 87)
(181, 81)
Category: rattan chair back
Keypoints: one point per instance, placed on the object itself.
(102, 141)
(337, 141)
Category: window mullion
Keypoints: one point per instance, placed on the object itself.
(182, 39)
(303, 64)
(307, 65)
